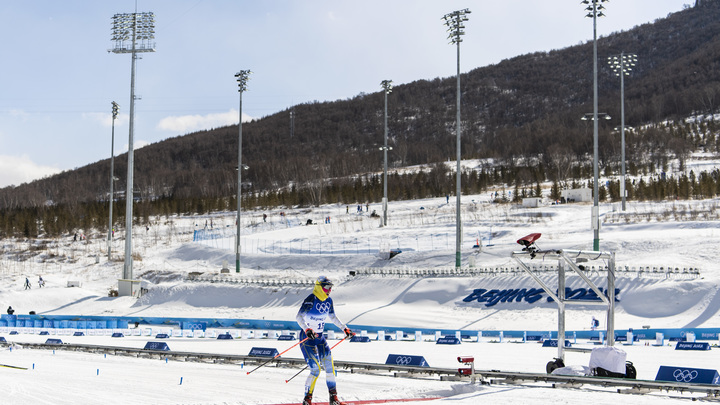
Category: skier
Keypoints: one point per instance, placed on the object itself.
(27, 283)
(314, 311)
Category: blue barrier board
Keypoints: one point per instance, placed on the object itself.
(44, 332)
(448, 340)
(688, 375)
(161, 336)
(2, 339)
(406, 360)
(118, 334)
(156, 346)
(361, 339)
(554, 343)
(79, 334)
(692, 346)
(263, 352)
(53, 342)
(286, 337)
(224, 336)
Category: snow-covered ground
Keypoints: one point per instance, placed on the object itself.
(655, 236)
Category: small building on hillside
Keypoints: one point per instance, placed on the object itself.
(531, 202)
(577, 195)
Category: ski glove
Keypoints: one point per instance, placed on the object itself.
(310, 334)
(348, 333)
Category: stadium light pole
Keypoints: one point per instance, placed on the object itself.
(454, 21)
(242, 78)
(132, 33)
(622, 65)
(115, 109)
(594, 10)
(387, 86)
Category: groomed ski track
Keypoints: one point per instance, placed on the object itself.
(486, 377)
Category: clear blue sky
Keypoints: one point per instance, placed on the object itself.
(58, 78)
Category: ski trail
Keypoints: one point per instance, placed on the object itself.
(479, 319)
(399, 296)
(711, 310)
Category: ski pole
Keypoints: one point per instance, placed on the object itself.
(297, 374)
(305, 368)
(278, 355)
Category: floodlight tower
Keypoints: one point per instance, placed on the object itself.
(594, 10)
(622, 65)
(132, 33)
(115, 109)
(387, 86)
(242, 78)
(454, 21)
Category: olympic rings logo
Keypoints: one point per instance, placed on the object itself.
(685, 375)
(323, 307)
(403, 360)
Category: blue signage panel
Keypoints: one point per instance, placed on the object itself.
(79, 334)
(117, 334)
(554, 343)
(361, 339)
(263, 352)
(156, 346)
(688, 375)
(161, 336)
(225, 336)
(53, 342)
(286, 337)
(406, 360)
(448, 340)
(692, 346)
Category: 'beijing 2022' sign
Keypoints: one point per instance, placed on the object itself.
(531, 295)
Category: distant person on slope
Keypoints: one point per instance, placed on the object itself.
(314, 311)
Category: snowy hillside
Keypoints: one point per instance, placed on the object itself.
(659, 237)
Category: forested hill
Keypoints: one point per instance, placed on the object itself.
(526, 106)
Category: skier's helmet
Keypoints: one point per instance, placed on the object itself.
(325, 283)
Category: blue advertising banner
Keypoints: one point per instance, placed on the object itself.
(448, 340)
(263, 352)
(688, 375)
(156, 346)
(554, 343)
(406, 360)
(692, 346)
